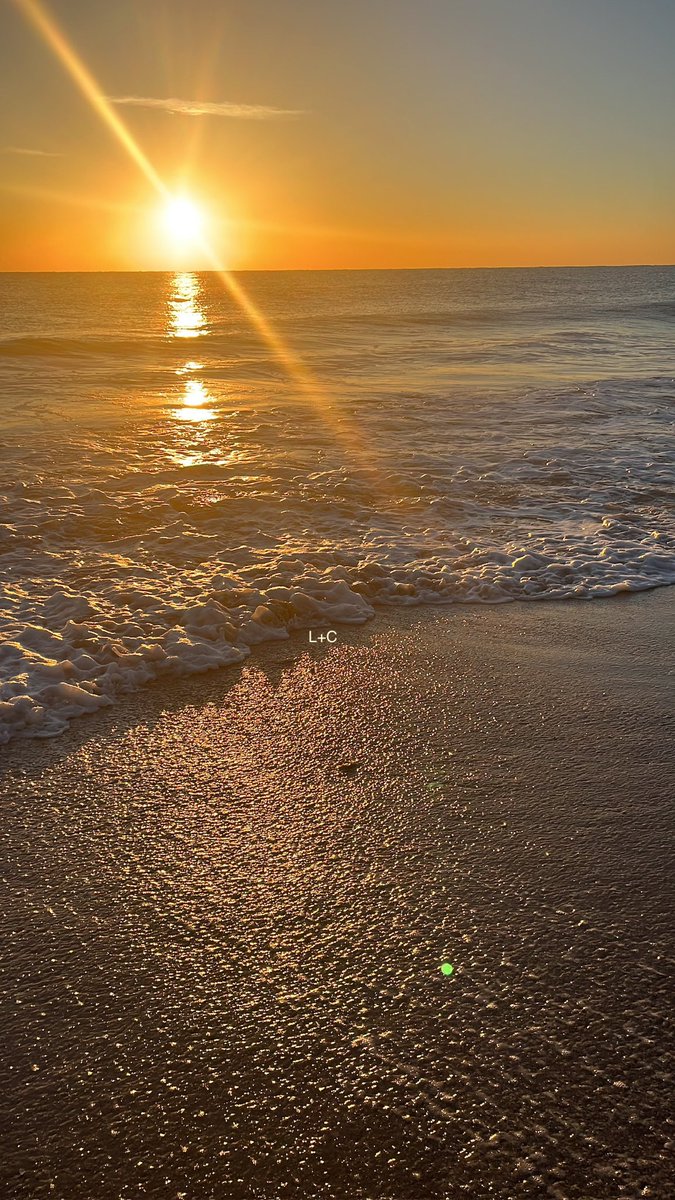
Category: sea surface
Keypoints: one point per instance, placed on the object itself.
(191, 465)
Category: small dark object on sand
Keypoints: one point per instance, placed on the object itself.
(349, 768)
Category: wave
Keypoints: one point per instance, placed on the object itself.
(220, 332)
(460, 315)
(74, 347)
(656, 308)
(76, 651)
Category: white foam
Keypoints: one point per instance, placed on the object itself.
(73, 653)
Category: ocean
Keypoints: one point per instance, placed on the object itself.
(182, 479)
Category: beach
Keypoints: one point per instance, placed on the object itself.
(229, 898)
(337, 581)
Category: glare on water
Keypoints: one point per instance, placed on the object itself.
(186, 317)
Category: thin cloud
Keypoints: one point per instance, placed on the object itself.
(207, 108)
(31, 152)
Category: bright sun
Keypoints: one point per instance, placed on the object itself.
(183, 222)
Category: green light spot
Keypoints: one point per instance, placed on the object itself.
(447, 968)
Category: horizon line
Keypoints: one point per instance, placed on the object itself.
(334, 270)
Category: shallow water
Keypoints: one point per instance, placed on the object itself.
(178, 486)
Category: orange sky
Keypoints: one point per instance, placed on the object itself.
(374, 134)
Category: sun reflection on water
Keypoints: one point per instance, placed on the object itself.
(186, 317)
(194, 398)
(195, 414)
(195, 393)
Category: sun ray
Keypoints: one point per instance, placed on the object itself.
(343, 430)
(37, 15)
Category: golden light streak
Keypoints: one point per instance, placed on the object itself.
(350, 437)
(37, 15)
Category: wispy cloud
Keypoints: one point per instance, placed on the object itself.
(208, 108)
(30, 152)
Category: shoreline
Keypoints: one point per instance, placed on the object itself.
(229, 900)
(287, 651)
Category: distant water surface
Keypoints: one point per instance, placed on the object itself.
(176, 488)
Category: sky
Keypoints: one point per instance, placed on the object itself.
(341, 133)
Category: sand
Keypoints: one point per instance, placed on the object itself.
(227, 904)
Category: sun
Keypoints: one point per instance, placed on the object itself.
(187, 231)
(183, 222)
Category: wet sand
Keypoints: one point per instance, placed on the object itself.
(226, 905)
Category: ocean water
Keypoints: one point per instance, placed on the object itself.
(180, 482)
